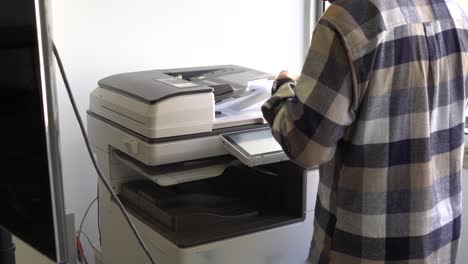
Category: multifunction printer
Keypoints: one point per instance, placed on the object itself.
(192, 159)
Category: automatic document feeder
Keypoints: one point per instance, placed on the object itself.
(190, 155)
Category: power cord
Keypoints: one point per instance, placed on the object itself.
(93, 159)
(81, 255)
(89, 240)
(80, 232)
(86, 215)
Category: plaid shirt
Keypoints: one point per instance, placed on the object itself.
(380, 105)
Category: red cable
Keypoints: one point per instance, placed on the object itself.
(80, 248)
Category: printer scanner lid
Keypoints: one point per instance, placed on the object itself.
(151, 87)
(169, 103)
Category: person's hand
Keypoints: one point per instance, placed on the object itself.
(288, 75)
(282, 78)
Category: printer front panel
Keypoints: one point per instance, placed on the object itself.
(103, 134)
(175, 116)
(286, 244)
(287, 231)
(241, 200)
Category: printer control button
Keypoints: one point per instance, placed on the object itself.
(131, 145)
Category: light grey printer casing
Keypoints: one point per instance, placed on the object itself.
(158, 132)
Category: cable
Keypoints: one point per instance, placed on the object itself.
(82, 256)
(78, 235)
(85, 215)
(80, 249)
(89, 240)
(99, 213)
(93, 159)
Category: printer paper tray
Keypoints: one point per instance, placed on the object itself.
(167, 175)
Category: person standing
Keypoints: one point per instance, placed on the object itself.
(380, 106)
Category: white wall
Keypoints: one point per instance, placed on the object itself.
(100, 38)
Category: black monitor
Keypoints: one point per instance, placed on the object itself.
(31, 191)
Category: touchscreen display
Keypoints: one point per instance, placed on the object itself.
(255, 142)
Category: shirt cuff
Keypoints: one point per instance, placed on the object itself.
(272, 106)
(278, 83)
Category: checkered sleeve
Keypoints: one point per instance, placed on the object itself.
(309, 118)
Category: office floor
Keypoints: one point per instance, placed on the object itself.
(27, 255)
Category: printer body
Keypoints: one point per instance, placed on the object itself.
(162, 138)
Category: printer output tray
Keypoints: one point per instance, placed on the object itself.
(184, 212)
(242, 200)
(167, 175)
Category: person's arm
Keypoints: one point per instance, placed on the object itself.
(309, 118)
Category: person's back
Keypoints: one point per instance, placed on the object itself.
(381, 101)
